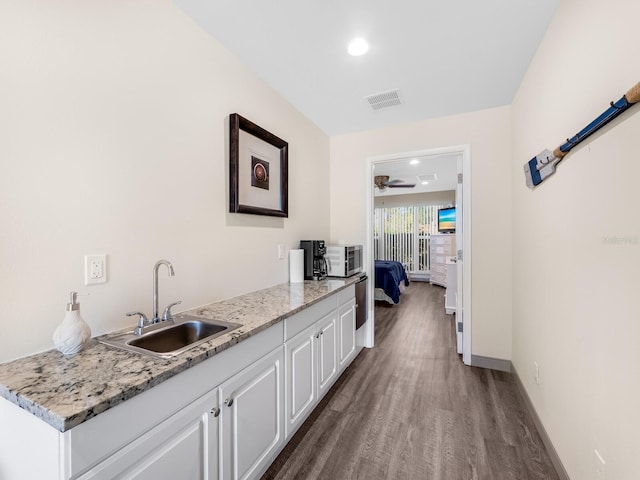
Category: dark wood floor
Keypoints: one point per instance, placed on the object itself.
(410, 409)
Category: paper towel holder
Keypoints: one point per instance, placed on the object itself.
(296, 265)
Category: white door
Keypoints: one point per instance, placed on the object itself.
(327, 338)
(347, 333)
(463, 256)
(463, 153)
(459, 259)
(180, 457)
(184, 446)
(301, 383)
(252, 421)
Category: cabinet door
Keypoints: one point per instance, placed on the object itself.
(252, 420)
(300, 384)
(347, 333)
(327, 338)
(184, 446)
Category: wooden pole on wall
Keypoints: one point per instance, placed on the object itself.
(543, 165)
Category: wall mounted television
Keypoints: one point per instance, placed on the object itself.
(447, 220)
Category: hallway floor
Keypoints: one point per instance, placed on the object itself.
(410, 409)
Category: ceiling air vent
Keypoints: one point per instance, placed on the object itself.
(381, 100)
(427, 177)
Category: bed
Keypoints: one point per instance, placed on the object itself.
(390, 281)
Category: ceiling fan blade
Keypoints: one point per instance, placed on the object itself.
(398, 183)
(383, 181)
(401, 185)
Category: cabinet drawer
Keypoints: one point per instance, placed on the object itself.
(303, 320)
(346, 294)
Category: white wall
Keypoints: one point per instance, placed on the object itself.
(447, 197)
(114, 139)
(488, 132)
(577, 240)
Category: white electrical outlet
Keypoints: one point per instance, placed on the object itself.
(599, 465)
(280, 251)
(95, 269)
(536, 372)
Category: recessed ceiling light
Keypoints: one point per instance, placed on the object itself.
(425, 183)
(415, 161)
(358, 46)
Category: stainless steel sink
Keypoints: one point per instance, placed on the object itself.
(166, 341)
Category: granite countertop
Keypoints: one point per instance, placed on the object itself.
(66, 391)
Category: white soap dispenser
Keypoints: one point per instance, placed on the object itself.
(73, 333)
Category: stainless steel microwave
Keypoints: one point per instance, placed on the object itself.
(343, 260)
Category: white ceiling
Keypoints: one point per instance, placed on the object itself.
(443, 166)
(445, 57)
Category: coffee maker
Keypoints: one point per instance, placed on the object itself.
(315, 265)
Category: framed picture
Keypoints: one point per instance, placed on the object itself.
(258, 170)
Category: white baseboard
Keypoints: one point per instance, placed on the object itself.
(553, 454)
(491, 363)
(507, 366)
(418, 277)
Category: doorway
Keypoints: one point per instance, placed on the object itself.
(461, 154)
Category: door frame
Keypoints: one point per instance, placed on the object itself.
(464, 284)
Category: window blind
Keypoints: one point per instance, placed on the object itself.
(402, 234)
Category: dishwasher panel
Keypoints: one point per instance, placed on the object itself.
(361, 301)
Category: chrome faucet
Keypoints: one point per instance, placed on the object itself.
(143, 322)
(156, 318)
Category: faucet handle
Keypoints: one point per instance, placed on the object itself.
(143, 321)
(166, 315)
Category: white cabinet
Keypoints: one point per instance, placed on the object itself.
(301, 360)
(441, 247)
(316, 351)
(252, 424)
(184, 446)
(312, 367)
(223, 418)
(232, 432)
(347, 328)
(327, 353)
(451, 293)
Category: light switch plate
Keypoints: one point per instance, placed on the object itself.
(95, 269)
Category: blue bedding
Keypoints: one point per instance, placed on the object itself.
(388, 276)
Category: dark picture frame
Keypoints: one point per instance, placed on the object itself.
(258, 170)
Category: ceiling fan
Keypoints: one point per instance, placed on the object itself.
(382, 182)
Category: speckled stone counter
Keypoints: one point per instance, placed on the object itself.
(66, 391)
